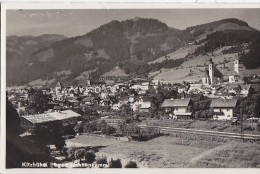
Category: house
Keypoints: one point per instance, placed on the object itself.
(52, 120)
(143, 104)
(117, 106)
(234, 89)
(180, 108)
(223, 108)
(142, 88)
(88, 101)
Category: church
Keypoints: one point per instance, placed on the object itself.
(214, 76)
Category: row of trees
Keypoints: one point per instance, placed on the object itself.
(252, 58)
(103, 127)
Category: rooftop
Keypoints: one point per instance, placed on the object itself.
(176, 102)
(52, 116)
(224, 103)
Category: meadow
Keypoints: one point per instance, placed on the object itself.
(178, 151)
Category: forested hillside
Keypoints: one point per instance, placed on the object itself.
(129, 44)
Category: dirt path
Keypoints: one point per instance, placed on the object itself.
(209, 152)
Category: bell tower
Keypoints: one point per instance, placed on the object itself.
(211, 72)
(236, 64)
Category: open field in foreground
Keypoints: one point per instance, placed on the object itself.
(234, 155)
(172, 152)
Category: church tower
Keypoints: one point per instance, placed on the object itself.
(236, 65)
(211, 72)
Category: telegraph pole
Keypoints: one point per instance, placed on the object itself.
(241, 122)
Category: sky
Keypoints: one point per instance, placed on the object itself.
(78, 22)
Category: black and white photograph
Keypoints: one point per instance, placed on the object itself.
(132, 88)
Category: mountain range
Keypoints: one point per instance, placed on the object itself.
(129, 44)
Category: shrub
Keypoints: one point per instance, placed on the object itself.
(79, 153)
(60, 143)
(115, 163)
(131, 164)
(90, 156)
(71, 153)
(102, 160)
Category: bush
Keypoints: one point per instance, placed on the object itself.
(131, 164)
(79, 153)
(90, 156)
(60, 143)
(115, 163)
(71, 152)
(102, 160)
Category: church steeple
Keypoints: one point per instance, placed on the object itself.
(211, 72)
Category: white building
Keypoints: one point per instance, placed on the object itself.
(182, 108)
(223, 108)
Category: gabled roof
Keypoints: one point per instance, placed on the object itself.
(176, 102)
(64, 114)
(217, 73)
(52, 116)
(224, 103)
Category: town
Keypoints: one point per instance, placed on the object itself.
(131, 88)
(130, 108)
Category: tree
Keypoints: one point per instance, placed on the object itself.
(80, 153)
(12, 119)
(110, 130)
(71, 153)
(131, 164)
(90, 156)
(102, 160)
(37, 102)
(78, 128)
(60, 143)
(115, 163)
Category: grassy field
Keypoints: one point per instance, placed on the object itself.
(177, 151)
(180, 53)
(232, 155)
(91, 140)
(197, 66)
(159, 152)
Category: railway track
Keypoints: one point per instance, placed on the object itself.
(205, 132)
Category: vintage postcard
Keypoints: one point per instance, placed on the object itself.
(99, 86)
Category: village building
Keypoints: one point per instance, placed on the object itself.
(245, 89)
(143, 104)
(52, 120)
(223, 108)
(178, 108)
(234, 76)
